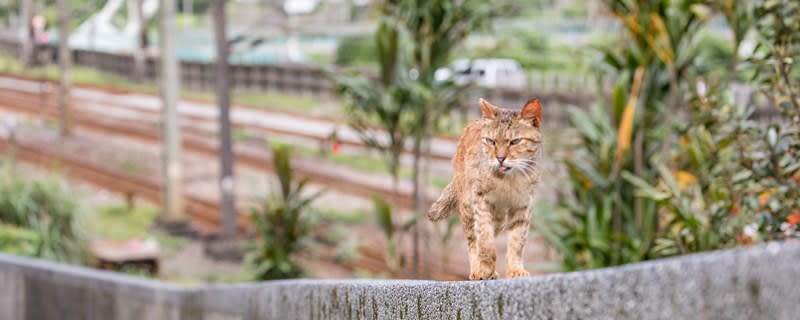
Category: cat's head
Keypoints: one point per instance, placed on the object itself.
(511, 140)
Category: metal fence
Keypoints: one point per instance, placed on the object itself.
(304, 79)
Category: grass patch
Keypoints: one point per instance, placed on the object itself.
(115, 221)
(344, 217)
(365, 163)
(170, 243)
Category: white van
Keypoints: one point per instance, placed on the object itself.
(488, 73)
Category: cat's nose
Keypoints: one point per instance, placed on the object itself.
(501, 159)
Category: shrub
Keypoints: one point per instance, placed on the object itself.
(597, 223)
(728, 180)
(281, 225)
(19, 241)
(46, 208)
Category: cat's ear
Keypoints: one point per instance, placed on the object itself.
(488, 110)
(532, 111)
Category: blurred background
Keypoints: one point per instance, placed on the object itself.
(211, 141)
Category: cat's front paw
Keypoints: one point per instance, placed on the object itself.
(517, 272)
(484, 275)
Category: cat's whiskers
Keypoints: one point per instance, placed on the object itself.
(528, 167)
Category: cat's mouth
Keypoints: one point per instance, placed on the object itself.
(503, 169)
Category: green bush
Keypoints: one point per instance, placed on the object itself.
(356, 50)
(282, 227)
(735, 182)
(642, 184)
(714, 56)
(49, 210)
(18, 241)
(598, 223)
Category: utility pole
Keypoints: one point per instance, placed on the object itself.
(170, 131)
(26, 12)
(227, 181)
(139, 67)
(64, 61)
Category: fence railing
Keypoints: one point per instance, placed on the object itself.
(300, 79)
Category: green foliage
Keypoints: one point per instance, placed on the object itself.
(47, 209)
(384, 217)
(714, 56)
(280, 222)
(18, 241)
(356, 51)
(632, 192)
(597, 224)
(733, 172)
(775, 59)
(603, 220)
(117, 221)
(418, 35)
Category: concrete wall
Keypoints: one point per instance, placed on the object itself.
(752, 283)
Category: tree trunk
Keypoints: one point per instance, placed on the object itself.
(227, 181)
(141, 45)
(425, 177)
(417, 202)
(26, 52)
(188, 7)
(64, 58)
(171, 135)
(419, 197)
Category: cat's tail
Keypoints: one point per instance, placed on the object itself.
(445, 205)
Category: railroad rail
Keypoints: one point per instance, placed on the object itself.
(199, 140)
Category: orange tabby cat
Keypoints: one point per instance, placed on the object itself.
(496, 172)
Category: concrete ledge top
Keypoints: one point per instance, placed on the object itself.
(750, 283)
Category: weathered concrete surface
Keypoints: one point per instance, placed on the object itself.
(753, 283)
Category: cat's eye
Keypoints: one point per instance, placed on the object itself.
(515, 141)
(488, 141)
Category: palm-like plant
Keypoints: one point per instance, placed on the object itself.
(413, 39)
(280, 223)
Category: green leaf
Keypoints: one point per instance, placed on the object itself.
(383, 214)
(645, 190)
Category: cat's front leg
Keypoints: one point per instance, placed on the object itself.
(518, 226)
(487, 255)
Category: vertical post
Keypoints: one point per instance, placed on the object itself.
(64, 60)
(139, 67)
(170, 133)
(26, 12)
(227, 180)
(188, 7)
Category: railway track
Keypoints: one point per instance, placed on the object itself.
(203, 115)
(203, 213)
(199, 140)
